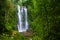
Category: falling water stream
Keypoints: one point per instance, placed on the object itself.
(22, 19)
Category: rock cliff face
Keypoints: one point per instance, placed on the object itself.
(27, 34)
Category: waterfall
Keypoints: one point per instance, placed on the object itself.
(22, 19)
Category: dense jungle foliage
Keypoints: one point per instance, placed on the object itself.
(43, 19)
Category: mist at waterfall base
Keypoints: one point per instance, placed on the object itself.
(22, 19)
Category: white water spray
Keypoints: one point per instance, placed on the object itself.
(22, 19)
